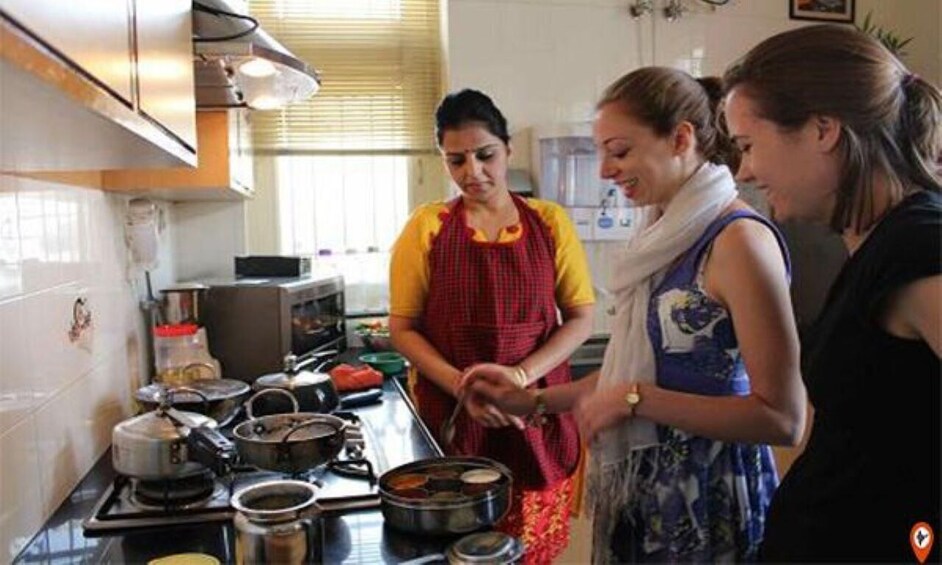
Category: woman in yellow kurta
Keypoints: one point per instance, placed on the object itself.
(498, 283)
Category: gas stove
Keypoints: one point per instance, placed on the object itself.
(346, 484)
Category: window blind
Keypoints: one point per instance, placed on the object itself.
(380, 63)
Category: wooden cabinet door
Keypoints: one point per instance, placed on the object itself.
(165, 65)
(95, 36)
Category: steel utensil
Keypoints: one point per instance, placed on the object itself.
(448, 428)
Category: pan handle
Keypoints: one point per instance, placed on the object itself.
(199, 393)
(311, 357)
(431, 558)
(248, 403)
(341, 431)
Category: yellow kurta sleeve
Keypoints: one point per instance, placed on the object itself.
(408, 264)
(573, 278)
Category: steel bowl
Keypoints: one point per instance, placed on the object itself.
(446, 515)
(289, 443)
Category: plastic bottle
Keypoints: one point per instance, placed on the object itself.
(177, 348)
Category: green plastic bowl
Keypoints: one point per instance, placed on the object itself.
(386, 362)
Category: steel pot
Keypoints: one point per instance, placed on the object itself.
(220, 399)
(314, 391)
(277, 522)
(152, 446)
(182, 304)
(288, 443)
(460, 515)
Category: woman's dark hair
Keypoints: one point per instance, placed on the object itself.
(662, 98)
(891, 120)
(466, 106)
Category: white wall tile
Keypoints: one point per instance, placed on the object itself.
(76, 423)
(58, 423)
(59, 398)
(17, 372)
(56, 361)
(21, 510)
(11, 276)
(38, 210)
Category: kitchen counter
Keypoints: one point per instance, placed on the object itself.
(356, 537)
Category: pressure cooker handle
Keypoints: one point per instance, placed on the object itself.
(209, 447)
(204, 444)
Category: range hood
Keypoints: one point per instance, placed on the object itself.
(252, 70)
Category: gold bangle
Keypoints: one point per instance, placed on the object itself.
(523, 379)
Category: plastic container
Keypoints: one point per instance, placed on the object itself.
(181, 355)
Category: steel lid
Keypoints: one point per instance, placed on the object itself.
(213, 389)
(486, 547)
(291, 381)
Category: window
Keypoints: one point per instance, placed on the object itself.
(380, 63)
(347, 211)
(342, 159)
(341, 204)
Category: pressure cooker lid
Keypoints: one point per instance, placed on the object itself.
(157, 426)
(486, 547)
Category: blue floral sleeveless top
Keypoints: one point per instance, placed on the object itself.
(698, 499)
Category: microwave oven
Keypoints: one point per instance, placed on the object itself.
(252, 323)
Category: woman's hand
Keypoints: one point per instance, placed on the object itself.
(601, 410)
(486, 413)
(499, 392)
(482, 407)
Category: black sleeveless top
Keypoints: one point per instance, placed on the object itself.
(871, 467)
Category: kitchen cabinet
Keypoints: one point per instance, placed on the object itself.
(165, 65)
(224, 170)
(96, 85)
(93, 35)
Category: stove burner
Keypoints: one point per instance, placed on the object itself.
(186, 492)
(358, 467)
(348, 483)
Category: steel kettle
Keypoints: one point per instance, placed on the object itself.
(278, 522)
(182, 303)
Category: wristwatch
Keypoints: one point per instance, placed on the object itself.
(633, 398)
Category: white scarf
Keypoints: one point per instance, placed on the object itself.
(638, 267)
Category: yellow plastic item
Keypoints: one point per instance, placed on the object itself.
(185, 559)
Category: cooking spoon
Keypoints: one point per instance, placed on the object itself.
(448, 428)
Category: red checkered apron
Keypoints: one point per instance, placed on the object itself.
(495, 302)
